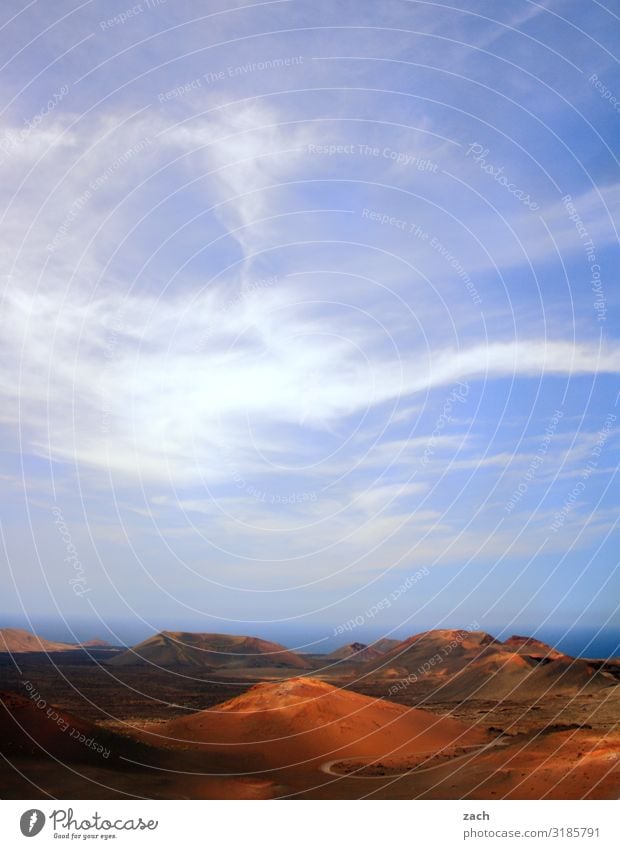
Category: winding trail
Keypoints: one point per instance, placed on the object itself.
(327, 767)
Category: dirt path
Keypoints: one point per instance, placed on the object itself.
(327, 767)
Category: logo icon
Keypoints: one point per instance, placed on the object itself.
(32, 822)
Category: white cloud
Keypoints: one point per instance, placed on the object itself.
(244, 150)
(193, 385)
(142, 400)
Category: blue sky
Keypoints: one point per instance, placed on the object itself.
(304, 303)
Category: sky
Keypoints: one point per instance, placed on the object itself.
(309, 317)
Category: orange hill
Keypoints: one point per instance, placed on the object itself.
(31, 726)
(532, 647)
(304, 720)
(17, 640)
(209, 651)
(37, 733)
(455, 665)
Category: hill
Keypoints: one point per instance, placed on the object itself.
(303, 720)
(355, 653)
(385, 644)
(49, 741)
(31, 726)
(453, 665)
(209, 651)
(533, 648)
(16, 640)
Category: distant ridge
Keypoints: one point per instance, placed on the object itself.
(355, 653)
(16, 640)
(385, 644)
(209, 651)
(455, 665)
(533, 647)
